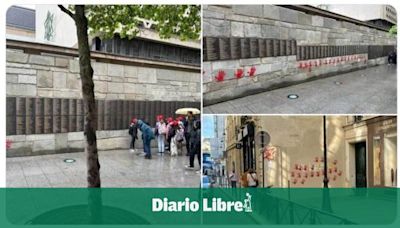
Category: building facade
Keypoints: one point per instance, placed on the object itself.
(248, 49)
(361, 151)
(380, 15)
(139, 78)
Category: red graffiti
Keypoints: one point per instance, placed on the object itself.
(220, 76)
(239, 73)
(8, 144)
(252, 71)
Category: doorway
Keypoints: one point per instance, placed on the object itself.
(360, 149)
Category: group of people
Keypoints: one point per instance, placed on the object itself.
(171, 134)
(249, 179)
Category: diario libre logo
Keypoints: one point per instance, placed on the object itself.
(213, 205)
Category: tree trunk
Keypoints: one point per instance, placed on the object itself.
(86, 74)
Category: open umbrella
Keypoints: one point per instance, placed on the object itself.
(184, 111)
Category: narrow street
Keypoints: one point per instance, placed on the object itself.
(119, 168)
(372, 90)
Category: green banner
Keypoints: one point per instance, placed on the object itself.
(189, 206)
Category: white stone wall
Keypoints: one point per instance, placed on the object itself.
(39, 144)
(269, 21)
(32, 75)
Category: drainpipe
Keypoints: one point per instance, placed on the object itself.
(326, 199)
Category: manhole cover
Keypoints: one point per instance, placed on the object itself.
(69, 160)
(293, 96)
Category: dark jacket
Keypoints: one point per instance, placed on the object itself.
(133, 130)
(195, 135)
(147, 131)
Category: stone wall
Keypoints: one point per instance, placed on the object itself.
(33, 75)
(253, 48)
(40, 144)
(44, 100)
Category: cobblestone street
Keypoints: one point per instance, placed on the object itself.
(119, 168)
(368, 91)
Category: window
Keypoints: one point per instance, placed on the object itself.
(148, 49)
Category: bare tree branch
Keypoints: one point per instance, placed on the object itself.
(65, 10)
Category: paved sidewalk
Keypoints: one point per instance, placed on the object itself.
(369, 91)
(119, 168)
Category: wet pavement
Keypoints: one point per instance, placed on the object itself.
(119, 168)
(368, 91)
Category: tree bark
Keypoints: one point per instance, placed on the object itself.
(86, 74)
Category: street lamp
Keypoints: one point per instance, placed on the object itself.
(326, 199)
(326, 180)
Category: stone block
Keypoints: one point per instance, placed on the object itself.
(305, 19)
(241, 18)
(16, 57)
(40, 137)
(21, 90)
(271, 12)
(276, 66)
(44, 79)
(249, 62)
(61, 141)
(147, 75)
(43, 145)
(288, 15)
(62, 62)
(74, 66)
(216, 27)
(330, 23)
(317, 21)
(16, 138)
(27, 79)
(67, 93)
(76, 145)
(248, 10)
(283, 33)
(115, 70)
(112, 134)
(270, 31)
(114, 143)
(100, 86)
(59, 80)
(41, 60)
(252, 30)
(245, 81)
(229, 64)
(11, 70)
(263, 69)
(115, 87)
(12, 78)
(130, 71)
(100, 68)
(41, 92)
(237, 29)
(213, 14)
(73, 82)
(207, 72)
(268, 60)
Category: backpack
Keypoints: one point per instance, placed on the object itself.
(171, 132)
(179, 135)
(130, 131)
